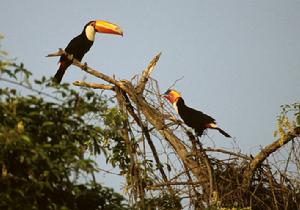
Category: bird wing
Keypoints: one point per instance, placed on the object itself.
(79, 46)
(193, 117)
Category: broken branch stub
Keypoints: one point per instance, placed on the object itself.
(146, 74)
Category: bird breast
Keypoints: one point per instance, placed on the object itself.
(175, 106)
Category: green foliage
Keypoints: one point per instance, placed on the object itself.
(298, 119)
(44, 144)
(162, 202)
(288, 119)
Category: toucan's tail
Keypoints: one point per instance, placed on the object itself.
(223, 132)
(61, 71)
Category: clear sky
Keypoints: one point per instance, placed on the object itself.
(240, 59)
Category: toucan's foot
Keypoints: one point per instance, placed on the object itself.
(85, 66)
(192, 154)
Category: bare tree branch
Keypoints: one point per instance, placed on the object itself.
(145, 131)
(93, 85)
(264, 153)
(146, 73)
(203, 158)
(173, 183)
(60, 52)
(87, 69)
(240, 155)
(174, 83)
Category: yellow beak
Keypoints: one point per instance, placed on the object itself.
(102, 26)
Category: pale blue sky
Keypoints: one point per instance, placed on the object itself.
(240, 59)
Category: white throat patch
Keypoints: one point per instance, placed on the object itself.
(175, 106)
(90, 33)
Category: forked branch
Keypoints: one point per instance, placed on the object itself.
(264, 154)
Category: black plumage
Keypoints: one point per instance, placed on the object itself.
(82, 43)
(196, 119)
(77, 47)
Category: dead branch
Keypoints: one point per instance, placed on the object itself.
(174, 83)
(135, 175)
(203, 158)
(145, 131)
(60, 52)
(87, 69)
(173, 183)
(146, 73)
(264, 153)
(240, 155)
(93, 85)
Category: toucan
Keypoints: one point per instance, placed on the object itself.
(191, 117)
(82, 43)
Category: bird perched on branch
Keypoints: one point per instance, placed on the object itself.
(82, 43)
(191, 117)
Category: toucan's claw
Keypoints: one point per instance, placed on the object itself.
(85, 66)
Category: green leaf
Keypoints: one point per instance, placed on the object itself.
(298, 119)
(25, 138)
(47, 123)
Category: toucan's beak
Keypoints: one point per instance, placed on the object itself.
(165, 95)
(102, 26)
